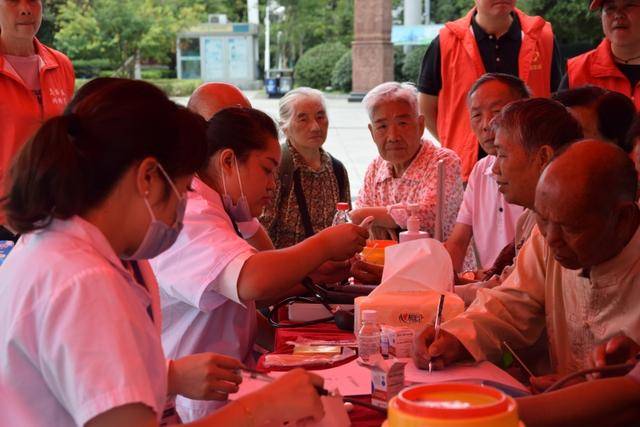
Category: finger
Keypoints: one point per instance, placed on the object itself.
(316, 380)
(600, 356)
(216, 395)
(227, 362)
(223, 387)
(439, 347)
(437, 363)
(216, 373)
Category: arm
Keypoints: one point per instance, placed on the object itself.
(457, 244)
(429, 109)
(514, 311)
(601, 402)
(271, 273)
(291, 398)
(261, 240)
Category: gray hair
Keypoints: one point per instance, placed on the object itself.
(391, 91)
(286, 103)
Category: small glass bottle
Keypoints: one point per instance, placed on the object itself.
(369, 335)
(342, 214)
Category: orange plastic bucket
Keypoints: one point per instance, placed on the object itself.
(452, 405)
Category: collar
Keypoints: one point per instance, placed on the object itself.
(622, 262)
(300, 163)
(514, 32)
(48, 61)
(207, 193)
(81, 229)
(488, 171)
(603, 64)
(413, 173)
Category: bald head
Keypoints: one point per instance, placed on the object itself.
(592, 173)
(210, 98)
(585, 203)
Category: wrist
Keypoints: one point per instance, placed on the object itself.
(171, 378)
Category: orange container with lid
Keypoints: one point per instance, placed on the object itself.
(373, 253)
(452, 405)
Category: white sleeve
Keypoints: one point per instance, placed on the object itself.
(99, 348)
(226, 283)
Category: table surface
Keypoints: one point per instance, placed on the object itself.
(360, 416)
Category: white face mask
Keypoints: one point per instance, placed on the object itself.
(159, 236)
(240, 212)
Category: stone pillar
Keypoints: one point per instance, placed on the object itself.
(372, 51)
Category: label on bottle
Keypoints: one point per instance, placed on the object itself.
(368, 345)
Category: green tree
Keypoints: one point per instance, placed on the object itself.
(120, 30)
(307, 23)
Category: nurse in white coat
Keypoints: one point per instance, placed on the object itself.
(211, 278)
(79, 342)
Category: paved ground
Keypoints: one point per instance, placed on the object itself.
(349, 139)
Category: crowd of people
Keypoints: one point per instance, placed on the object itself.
(149, 235)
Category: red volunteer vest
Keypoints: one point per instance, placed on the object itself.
(462, 66)
(598, 68)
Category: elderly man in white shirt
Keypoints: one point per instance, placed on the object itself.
(577, 275)
(484, 213)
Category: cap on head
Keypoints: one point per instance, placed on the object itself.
(595, 4)
(212, 97)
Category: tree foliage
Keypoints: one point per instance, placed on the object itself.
(341, 75)
(119, 29)
(315, 67)
(307, 23)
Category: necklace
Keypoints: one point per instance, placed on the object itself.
(625, 61)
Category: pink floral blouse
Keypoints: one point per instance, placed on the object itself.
(417, 185)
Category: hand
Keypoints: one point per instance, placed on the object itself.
(290, 398)
(331, 272)
(541, 383)
(342, 241)
(204, 376)
(364, 272)
(444, 351)
(619, 349)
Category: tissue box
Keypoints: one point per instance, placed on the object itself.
(400, 340)
(414, 309)
(387, 379)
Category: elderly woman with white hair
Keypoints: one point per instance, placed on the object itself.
(406, 170)
(310, 181)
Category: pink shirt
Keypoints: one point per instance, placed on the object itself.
(28, 68)
(418, 184)
(492, 219)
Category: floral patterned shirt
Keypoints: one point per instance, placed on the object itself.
(282, 219)
(418, 184)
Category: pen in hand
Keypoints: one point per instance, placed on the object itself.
(437, 325)
(257, 375)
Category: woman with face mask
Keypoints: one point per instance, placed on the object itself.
(211, 278)
(94, 193)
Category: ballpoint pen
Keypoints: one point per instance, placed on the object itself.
(257, 375)
(515, 356)
(437, 324)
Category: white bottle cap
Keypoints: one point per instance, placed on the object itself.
(369, 315)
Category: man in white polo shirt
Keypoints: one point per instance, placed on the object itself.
(484, 213)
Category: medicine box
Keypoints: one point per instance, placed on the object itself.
(387, 379)
(400, 340)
